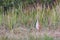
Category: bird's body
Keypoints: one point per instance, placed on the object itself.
(38, 26)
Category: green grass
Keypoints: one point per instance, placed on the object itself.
(28, 18)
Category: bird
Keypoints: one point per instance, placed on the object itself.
(38, 25)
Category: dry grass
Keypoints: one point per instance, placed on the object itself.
(22, 26)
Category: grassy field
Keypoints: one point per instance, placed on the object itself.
(19, 24)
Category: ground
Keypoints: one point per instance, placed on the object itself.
(24, 33)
